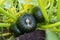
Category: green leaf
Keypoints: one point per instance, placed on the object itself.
(58, 35)
(51, 35)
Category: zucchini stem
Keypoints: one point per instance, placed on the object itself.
(7, 14)
(4, 24)
(50, 9)
(55, 30)
(5, 34)
(58, 10)
(51, 25)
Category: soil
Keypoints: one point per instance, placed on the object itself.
(35, 35)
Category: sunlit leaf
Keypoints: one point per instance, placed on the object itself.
(51, 35)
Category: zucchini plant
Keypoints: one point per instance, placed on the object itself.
(45, 15)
